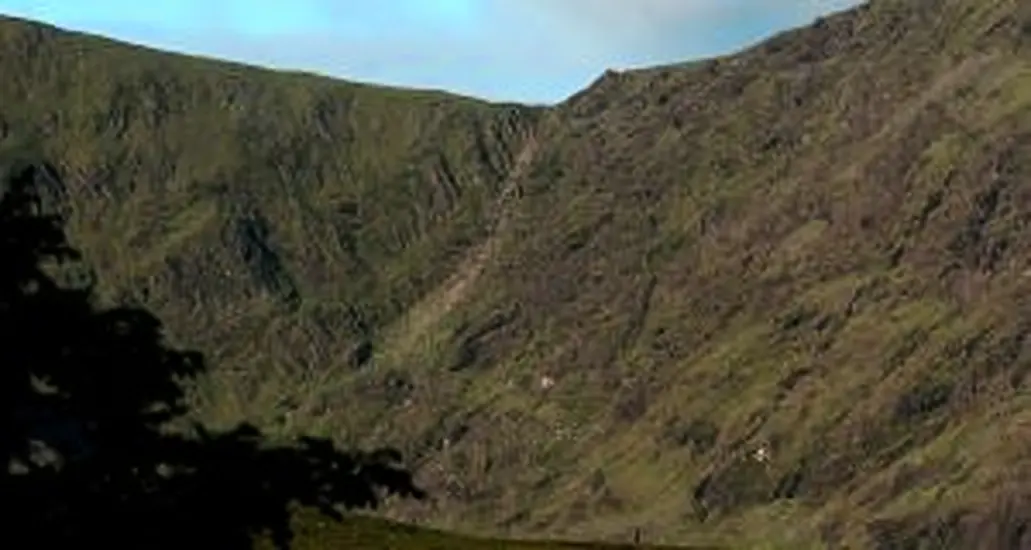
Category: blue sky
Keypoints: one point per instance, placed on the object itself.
(537, 51)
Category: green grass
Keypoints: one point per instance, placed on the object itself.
(815, 244)
(358, 533)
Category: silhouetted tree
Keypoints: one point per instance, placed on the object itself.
(86, 398)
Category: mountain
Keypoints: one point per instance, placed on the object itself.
(776, 297)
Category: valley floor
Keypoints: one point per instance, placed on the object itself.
(312, 533)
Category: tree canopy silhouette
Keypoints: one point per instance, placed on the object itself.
(87, 395)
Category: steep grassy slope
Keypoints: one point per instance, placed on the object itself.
(781, 295)
(275, 220)
(815, 250)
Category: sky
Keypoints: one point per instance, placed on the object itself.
(532, 51)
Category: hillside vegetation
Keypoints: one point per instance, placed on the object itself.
(364, 533)
(778, 297)
(278, 220)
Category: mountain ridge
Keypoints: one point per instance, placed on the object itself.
(772, 297)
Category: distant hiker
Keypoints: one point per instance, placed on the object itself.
(637, 536)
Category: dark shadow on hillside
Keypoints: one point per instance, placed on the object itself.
(86, 398)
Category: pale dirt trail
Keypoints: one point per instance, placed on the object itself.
(421, 317)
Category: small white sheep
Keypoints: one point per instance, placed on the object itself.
(762, 454)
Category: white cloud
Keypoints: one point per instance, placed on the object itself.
(508, 49)
(636, 16)
(646, 30)
(524, 49)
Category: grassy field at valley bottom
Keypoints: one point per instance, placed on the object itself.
(365, 533)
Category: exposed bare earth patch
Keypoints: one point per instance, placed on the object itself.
(427, 312)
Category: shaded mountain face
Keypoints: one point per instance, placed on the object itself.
(777, 296)
(277, 220)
